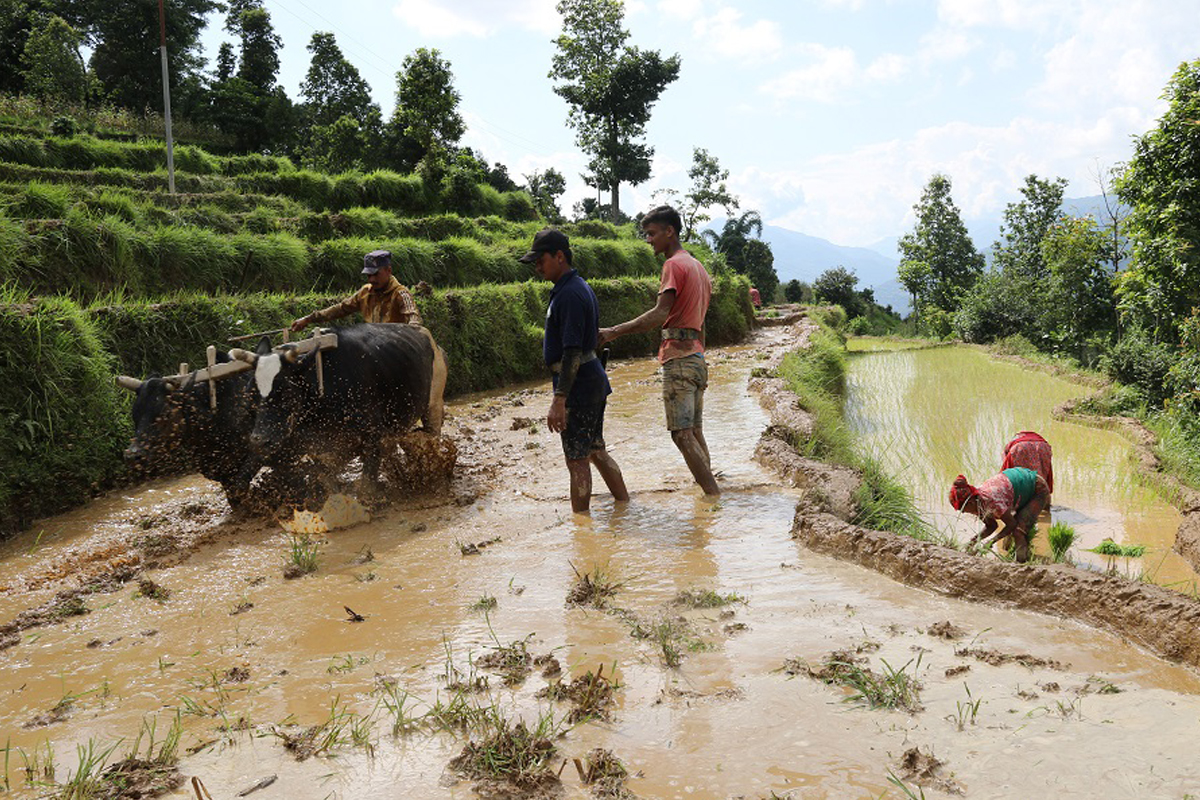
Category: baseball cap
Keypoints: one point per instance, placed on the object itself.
(547, 240)
(375, 261)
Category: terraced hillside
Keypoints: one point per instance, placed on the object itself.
(104, 271)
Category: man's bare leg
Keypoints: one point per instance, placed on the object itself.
(581, 484)
(611, 473)
(696, 456)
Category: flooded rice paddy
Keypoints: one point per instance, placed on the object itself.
(707, 701)
(929, 414)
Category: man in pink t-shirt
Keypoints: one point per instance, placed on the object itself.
(683, 296)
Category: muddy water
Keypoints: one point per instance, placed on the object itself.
(727, 722)
(929, 414)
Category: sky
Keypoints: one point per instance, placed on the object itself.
(831, 115)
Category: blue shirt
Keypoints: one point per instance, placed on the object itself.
(573, 320)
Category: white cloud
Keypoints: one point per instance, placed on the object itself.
(676, 10)
(476, 18)
(887, 68)
(865, 194)
(1020, 14)
(725, 35)
(829, 71)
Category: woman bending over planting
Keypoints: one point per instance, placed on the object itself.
(1015, 497)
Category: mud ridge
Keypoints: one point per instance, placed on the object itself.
(1164, 622)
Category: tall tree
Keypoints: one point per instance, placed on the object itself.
(707, 191)
(226, 62)
(939, 239)
(758, 264)
(545, 187)
(125, 58)
(610, 88)
(53, 68)
(333, 87)
(1079, 304)
(1025, 224)
(426, 105)
(1162, 188)
(245, 104)
(734, 234)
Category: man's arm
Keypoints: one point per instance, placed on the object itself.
(335, 311)
(654, 318)
(556, 418)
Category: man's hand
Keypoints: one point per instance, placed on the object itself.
(299, 325)
(556, 418)
(605, 336)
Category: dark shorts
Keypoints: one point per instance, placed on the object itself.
(584, 433)
(684, 382)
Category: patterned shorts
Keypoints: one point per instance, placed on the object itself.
(684, 382)
(585, 430)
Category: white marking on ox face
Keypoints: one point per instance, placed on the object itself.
(265, 371)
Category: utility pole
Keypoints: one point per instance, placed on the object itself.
(162, 50)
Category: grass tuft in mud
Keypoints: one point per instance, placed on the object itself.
(152, 591)
(604, 774)
(893, 688)
(512, 753)
(591, 696)
(342, 728)
(593, 588)
(706, 598)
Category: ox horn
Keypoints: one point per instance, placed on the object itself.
(243, 355)
(126, 382)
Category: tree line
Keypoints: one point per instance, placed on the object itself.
(1119, 291)
(610, 87)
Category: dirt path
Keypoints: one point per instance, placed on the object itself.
(695, 651)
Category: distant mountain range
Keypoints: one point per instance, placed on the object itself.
(802, 257)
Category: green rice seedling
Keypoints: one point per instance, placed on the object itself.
(894, 688)
(87, 780)
(706, 598)
(346, 663)
(966, 712)
(398, 704)
(38, 767)
(1062, 536)
(453, 715)
(671, 636)
(905, 789)
(1110, 548)
(301, 557)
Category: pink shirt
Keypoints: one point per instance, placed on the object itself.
(693, 288)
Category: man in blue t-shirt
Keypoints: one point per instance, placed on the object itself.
(580, 385)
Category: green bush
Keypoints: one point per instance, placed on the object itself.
(63, 425)
(1137, 360)
(40, 201)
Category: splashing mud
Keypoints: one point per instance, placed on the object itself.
(416, 677)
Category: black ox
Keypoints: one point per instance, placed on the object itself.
(379, 380)
(176, 428)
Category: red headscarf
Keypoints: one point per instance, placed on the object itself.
(961, 492)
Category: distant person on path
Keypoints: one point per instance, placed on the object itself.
(1015, 497)
(1029, 449)
(755, 297)
(683, 295)
(382, 299)
(581, 386)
